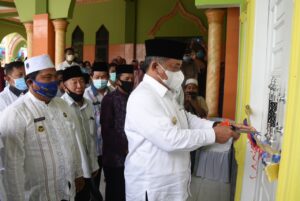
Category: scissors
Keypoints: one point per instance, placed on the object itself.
(239, 130)
(245, 131)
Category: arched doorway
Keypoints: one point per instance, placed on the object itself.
(12, 47)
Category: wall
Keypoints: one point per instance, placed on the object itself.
(150, 11)
(8, 27)
(113, 15)
(56, 8)
(90, 17)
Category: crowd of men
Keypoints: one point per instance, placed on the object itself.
(60, 127)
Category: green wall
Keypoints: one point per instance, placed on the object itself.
(56, 8)
(90, 17)
(113, 15)
(7, 27)
(26, 9)
(150, 11)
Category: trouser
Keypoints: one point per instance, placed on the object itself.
(115, 183)
(97, 179)
(89, 193)
(84, 194)
(193, 159)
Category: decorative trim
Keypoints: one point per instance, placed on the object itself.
(9, 10)
(90, 1)
(17, 39)
(178, 8)
(243, 17)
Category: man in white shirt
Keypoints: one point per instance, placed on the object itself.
(74, 85)
(41, 140)
(15, 76)
(160, 132)
(69, 59)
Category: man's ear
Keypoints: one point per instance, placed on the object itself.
(118, 82)
(159, 70)
(29, 82)
(64, 87)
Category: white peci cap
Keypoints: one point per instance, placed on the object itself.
(191, 81)
(38, 63)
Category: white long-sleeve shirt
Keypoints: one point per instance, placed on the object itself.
(2, 191)
(41, 155)
(160, 137)
(86, 118)
(7, 97)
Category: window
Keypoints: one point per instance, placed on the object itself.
(77, 42)
(102, 38)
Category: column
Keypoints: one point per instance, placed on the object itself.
(29, 33)
(43, 36)
(215, 22)
(231, 62)
(60, 26)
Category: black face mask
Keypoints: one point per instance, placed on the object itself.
(193, 94)
(75, 97)
(127, 86)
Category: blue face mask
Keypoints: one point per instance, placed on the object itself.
(113, 76)
(20, 84)
(100, 84)
(48, 90)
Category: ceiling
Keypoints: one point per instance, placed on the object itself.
(9, 12)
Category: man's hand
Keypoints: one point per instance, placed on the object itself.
(79, 183)
(224, 133)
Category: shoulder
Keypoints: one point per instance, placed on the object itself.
(143, 96)
(108, 97)
(87, 92)
(89, 103)
(16, 109)
(3, 93)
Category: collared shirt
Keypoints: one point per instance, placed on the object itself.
(65, 64)
(7, 97)
(41, 154)
(160, 136)
(95, 97)
(115, 145)
(86, 119)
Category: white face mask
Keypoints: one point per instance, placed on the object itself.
(174, 80)
(70, 57)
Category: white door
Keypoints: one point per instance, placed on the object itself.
(269, 88)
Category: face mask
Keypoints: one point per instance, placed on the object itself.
(113, 76)
(100, 84)
(70, 57)
(48, 90)
(187, 58)
(75, 97)
(127, 86)
(174, 80)
(20, 84)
